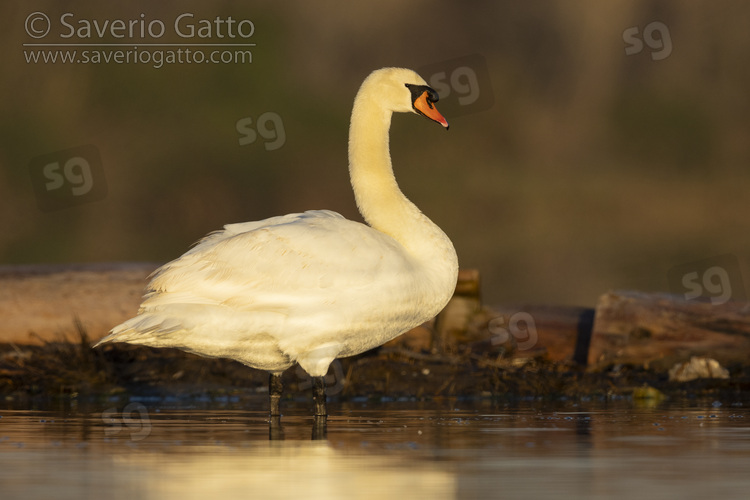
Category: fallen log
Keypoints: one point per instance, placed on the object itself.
(659, 330)
(454, 319)
(43, 303)
(561, 332)
(47, 302)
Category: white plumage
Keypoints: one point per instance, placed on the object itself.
(308, 288)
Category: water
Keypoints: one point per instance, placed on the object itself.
(164, 449)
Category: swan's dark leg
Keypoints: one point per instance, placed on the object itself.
(319, 396)
(275, 430)
(320, 427)
(320, 419)
(275, 387)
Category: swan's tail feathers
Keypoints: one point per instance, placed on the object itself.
(144, 329)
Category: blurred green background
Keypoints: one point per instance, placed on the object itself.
(595, 164)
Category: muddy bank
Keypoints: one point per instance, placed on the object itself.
(72, 369)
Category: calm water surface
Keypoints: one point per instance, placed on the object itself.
(164, 449)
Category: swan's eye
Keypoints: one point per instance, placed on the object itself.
(418, 90)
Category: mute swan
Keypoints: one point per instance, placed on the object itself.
(310, 287)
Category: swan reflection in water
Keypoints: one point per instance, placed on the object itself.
(319, 428)
(308, 288)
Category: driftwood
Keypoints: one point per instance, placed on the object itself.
(42, 303)
(457, 314)
(559, 333)
(662, 329)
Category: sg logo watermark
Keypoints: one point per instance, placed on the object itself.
(716, 279)
(463, 84)
(68, 178)
(655, 34)
(268, 126)
(521, 328)
(134, 416)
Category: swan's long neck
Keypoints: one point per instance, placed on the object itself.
(379, 199)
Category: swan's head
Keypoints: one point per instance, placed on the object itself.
(403, 90)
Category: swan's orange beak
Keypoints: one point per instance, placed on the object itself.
(427, 107)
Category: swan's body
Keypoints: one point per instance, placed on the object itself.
(308, 288)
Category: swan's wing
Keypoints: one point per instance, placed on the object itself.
(280, 263)
(268, 292)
